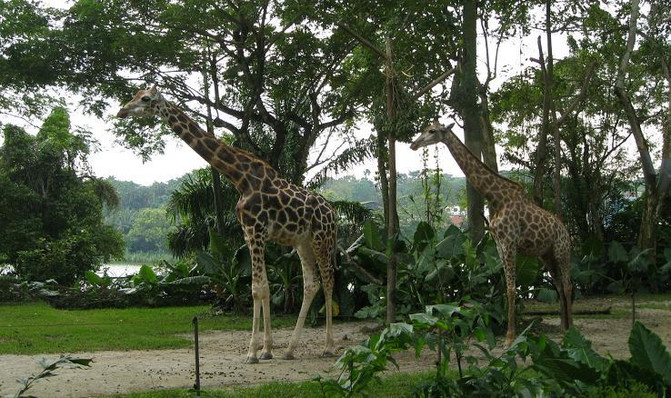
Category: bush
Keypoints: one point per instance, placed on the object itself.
(533, 365)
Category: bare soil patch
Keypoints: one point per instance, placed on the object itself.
(223, 354)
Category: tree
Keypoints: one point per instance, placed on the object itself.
(655, 62)
(149, 231)
(191, 208)
(52, 215)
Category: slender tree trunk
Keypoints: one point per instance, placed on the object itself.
(647, 237)
(541, 154)
(553, 114)
(216, 177)
(393, 223)
(471, 116)
(488, 148)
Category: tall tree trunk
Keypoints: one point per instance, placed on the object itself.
(553, 114)
(392, 219)
(489, 147)
(216, 177)
(647, 236)
(471, 116)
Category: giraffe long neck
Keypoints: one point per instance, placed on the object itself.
(241, 168)
(494, 187)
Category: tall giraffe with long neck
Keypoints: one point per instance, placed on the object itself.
(269, 209)
(516, 223)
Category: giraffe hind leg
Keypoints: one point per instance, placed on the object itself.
(310, 289)
(326, 261)
(562, 282)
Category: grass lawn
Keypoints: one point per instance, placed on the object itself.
(397, 385)
(37, 328)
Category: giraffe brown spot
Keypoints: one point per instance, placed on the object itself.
(282, 216)
(291, 227)
(225, 155)
(268, 187)
(274, 202)
(284, 198)
(195, 130)
(292, 215)
(253, 182)
(198, 146)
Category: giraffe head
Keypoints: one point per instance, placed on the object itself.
(145, 103)
(432, 135)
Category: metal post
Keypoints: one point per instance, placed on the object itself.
(196, 386)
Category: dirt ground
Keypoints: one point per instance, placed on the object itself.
(223, 353)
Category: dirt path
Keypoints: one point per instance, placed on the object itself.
(223, 353)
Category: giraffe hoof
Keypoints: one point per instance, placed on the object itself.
(288, 356)
(266, 355)
(252, 360)
(327, 354)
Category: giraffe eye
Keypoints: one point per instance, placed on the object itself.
(146, 98)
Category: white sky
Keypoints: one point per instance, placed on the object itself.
(178, 159)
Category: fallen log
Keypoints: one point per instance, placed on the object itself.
(576, 312)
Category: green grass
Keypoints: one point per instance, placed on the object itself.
(396, 385)
(37, 328)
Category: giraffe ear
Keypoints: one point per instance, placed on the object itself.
(153, 89)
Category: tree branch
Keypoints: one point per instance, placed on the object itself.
(363, 41)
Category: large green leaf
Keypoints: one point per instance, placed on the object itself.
(218, 247)
(617, 253)
(580, 349)
(527, 270)
(208, 265)
(374, 255)
(148, 275)
(453, 244)
(372, 236)
(557, 364)
(424, 235)
(649, 353)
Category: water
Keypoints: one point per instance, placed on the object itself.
(119, 270)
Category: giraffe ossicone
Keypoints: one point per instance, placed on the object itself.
(269, 209)
(517, 224)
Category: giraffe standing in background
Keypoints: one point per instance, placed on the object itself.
(517, 224)
(269, 209)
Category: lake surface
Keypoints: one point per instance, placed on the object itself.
(119, 270)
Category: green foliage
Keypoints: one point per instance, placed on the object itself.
(53, 215)
(229, 272)
(436, 268)
(191, 207)
(572, 367)
(48, 370)
(149, 231)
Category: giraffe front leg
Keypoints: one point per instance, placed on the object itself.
(266, 353)
(253, 345)
(261, 296)
(510, 275)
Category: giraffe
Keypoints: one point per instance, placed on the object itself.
(517, 224)
(269, 209)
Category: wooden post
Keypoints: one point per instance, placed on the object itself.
(196, 386)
